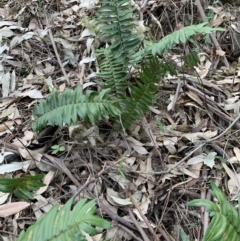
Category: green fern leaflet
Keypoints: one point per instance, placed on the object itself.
(64, 224)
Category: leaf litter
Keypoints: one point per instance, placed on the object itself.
(97, 163)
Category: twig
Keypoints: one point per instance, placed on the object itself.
(204, 213)
(143, 216)
(176, 94)
(141, 231)
(129, 232)
(60, 164)
(157, 22)
(113, 215)
(144, 4)
(164, 234)
(90, 180)
(82, 70)
(203, 16)
(150, 135)
(56, 52)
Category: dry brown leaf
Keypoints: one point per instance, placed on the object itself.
(116, 233)
(232, 175)
(46, 180)
(4, 127)
(114, 209)
(233, 160)
(121, 201)
(110, 194)
(227, 80)
(145, 166)
(167, 177)
(98, 237)
(181, 183)
(189, 173)
(122, 181)
(216, 22)
(237, 152)
(87, 236)
(220, 52)
(194, 97)
(32, 154)
(43, 203)
(12, 208)
(130, 161)
(14, 166)
(196, 169)
(196, 159)
(154, 110)
(170, 105)
(3, 197)
(169, 143)
(232, 187)
(36, 207)
(200, 135)
(139, 149)
(144, 205)
(133, 140)
(7, 112)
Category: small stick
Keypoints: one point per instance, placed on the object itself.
(141, 231)
(203, 16)
(56, 52)
(129, 232)
(143, 216)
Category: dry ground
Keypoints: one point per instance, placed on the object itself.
(154, 159)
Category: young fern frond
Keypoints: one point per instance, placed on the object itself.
(224, 225)
(142, 94)
(68, 107)
(61, 224)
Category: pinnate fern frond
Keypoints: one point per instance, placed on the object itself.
(72, 105)
(181, 36)
(225, 221)
(61, 224)
(142, 94)
(118, 26)
(114, 74)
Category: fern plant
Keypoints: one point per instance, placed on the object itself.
(61, 224)
(118, 27)
(225, 223)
